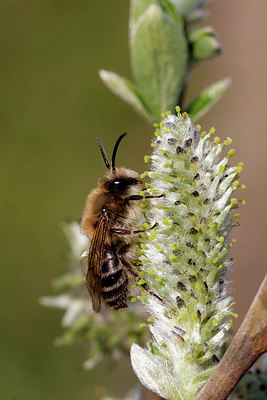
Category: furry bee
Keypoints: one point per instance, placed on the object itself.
(110, 212)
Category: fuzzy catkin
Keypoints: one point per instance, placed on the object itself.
(185, 257)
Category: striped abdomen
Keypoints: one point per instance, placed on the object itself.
(114, 281)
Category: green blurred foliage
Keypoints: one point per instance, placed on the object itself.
(53, 106)
(163, 52)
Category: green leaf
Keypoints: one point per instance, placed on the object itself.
(204, 43)
(137, 8)
(126, 90)
(207, 99)
(159, 59)
(206, 47)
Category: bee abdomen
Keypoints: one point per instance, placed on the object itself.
(117, 298)
(114, 282)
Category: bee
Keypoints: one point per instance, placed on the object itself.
(111, 211)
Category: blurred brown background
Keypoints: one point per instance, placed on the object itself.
(52, 107)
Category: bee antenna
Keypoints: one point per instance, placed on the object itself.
(103, 153)
(115, 150)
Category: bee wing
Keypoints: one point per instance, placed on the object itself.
(95, 257)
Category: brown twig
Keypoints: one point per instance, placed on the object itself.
(248, 344)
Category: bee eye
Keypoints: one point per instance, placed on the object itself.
(122, 184)
(118, 185)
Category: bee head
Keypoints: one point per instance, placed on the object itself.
(119, 180)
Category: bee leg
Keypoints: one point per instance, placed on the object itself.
(135, 274)
(148, 288)
(129, 232)
(140, 197)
